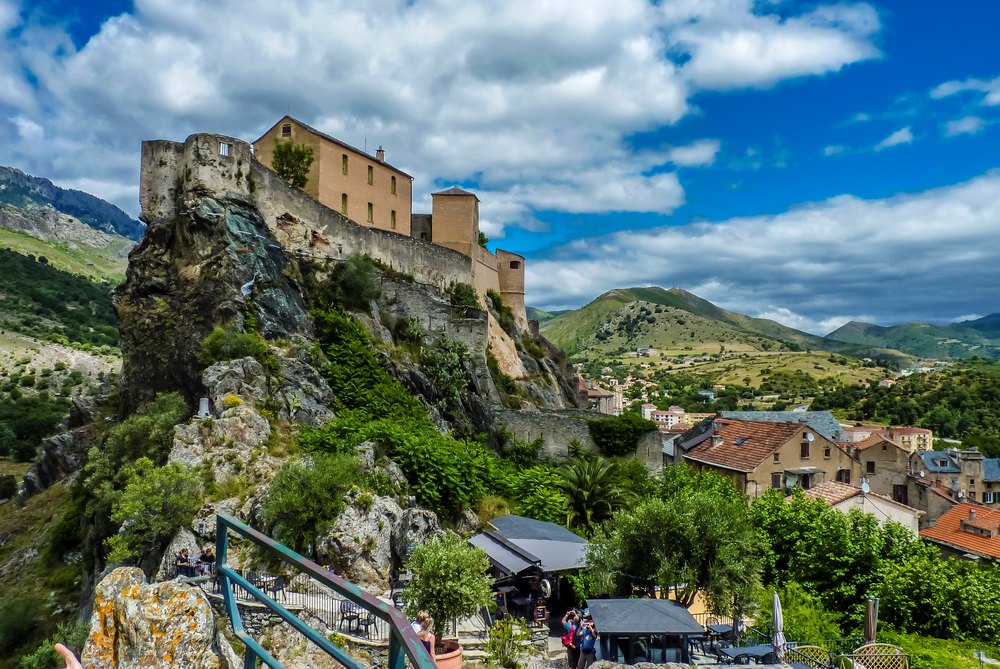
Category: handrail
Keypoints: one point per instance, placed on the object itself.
(403, 641)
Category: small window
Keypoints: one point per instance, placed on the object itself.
(804, 450)
(844, 476)
(805, 435)
(777, 458)
(392, 185)
(343, 204)
(972, 483)
(826, 452)
(371, 212)
(972, 496)
(776, 480)
(885, 447)
(515, 264)
(343, 163)
(988, 497)
(392, 219)
(899, 494)
(371, 175)
(286, 130)
(870, 466)
(225, 148)
(989, 486)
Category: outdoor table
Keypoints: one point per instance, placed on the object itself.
(754, 652)
(717, 631)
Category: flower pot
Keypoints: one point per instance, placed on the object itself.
(449, 655)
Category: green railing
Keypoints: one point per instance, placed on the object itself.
(403, 641)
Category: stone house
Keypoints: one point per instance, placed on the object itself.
(763, 455)
(885, 465)
(910, 438)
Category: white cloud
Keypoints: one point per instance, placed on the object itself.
(989, 87)
(698, 154)
(968, 125)
(901, 136)
(515, 96)
(823, 325)
(887, 261)
(833, 150)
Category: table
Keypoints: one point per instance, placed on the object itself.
(753, 652)
(717, 631)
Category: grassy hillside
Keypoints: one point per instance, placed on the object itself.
(98, 265)
(961, 340)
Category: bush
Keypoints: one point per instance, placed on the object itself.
(505, 315)
(619, 435)
(356, 282)
(306, 496)
(19, 618)
(231, 401)
(451, 579)
(408, 330)
(505, 383)
(155, 503)
(291, 161)
(508, 644)
(442, 363)
(222, 344)
(464, 296)
(8, 486)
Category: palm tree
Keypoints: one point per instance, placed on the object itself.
(591, 485)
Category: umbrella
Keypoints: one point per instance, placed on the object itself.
(871, 619)
(778, 641)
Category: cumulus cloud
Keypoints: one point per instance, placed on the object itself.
(968, 125)
(834, 149)
(990, 89)
(511, 96)
(815, 266)
(901, 136)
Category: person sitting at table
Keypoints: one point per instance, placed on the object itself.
(426, 636)
(206, 561)
(183, 563)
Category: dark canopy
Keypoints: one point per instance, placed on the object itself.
(634, 617)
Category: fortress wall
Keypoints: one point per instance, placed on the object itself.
(484, 271)
(159, 175)
(436, 316)
(557, 428)
(512, 283)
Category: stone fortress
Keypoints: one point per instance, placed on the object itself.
(373, 194)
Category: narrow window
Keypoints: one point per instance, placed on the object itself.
(804, 450)
(777, 458)
(371, 175)
(343, 163)
(371, 212)
(972, 483)
(224, 148)
(286, 130)
(392, 219)
(515, 264)
(343, 204)
(870, 466)
(899, 494)
(776, 480)
(392, 185)
(826, 452)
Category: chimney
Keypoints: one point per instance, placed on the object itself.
(380, 154)
(716, 440)
(972, 514)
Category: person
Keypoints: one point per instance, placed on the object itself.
(417, 624)
(571, 639)
(426, 635)
(588, 643)
(184, 563)
(206, 561)
(67, 655)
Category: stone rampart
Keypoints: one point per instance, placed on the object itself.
(556, 428)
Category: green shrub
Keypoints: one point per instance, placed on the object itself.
(509, 644)
(155, 503)
(464, 297)
(442, 363)
(619, 435)
(504, 382)
(408, 330)
(222, 344)
(19, 618)
(505, 315)
(8, 486)
(451, 579)
(291, 161)
(356, 282)
(306, 496)
(523, 453)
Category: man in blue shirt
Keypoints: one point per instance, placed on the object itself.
(588, 643)
(571, 639)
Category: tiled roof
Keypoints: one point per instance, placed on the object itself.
(454, 190)
(948, 530)
(757, 441)
(821, 421)
(875, 440)
(832, 492)
(938, 462)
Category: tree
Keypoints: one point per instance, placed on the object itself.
(483, 239)
(156, 501)
(619, 435)
(591, 486)
(292, 161)
(451, 579)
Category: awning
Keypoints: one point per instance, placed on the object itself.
(641, 617)
(802, 470)
(503, 555)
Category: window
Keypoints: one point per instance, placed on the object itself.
(515, 264)
(870, 466)
(343, 163)
(826, 452)
(989, 486)
(286, 130)
(371, 212)
(371, 175)
(972, 483)
(776, 480)
(804, 450)
(423, 235)
(972, 495)
(392, 219)
(899, 494)
(224, 148)
(885, 447)
(805, 435)
(988, 497)
(392, 185)
(777, 458)
(343, 204)
(844, 476)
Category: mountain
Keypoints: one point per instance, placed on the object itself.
(24, 191)
(980, 337)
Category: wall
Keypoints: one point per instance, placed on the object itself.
(327, 181)
(484, 271)
(891, 465)
(159, 177)
(456, 222)
(512, 283)
(789, 457)
(421, 227)
(557, 428)
(882, 510)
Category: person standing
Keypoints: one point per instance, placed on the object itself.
(571, 639)
(426, 636)
(588, 643)
(417, 624)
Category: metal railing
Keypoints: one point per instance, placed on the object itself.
(403, 641)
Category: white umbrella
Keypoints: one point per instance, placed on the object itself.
(871, 619)
(778, 641)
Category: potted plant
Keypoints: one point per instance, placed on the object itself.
(451, 580)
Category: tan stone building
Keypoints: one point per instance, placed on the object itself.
(885, 465)
(762, 455)
(910, 438)
(361, 186)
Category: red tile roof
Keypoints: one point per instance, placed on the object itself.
(875, 440)
(759, 441)
(833, 492)
(948, 530)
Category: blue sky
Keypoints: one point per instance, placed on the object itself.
(812, 162)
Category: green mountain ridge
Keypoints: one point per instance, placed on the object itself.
(980, 337)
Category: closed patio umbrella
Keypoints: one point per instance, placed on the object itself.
(778, 641)
(871, 619)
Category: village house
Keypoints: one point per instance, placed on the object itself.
(885, 465)
(910, 438)
(823, 422)
(967, 531)
(843, 498)
(764, 455)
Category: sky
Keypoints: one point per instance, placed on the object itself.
(810, 162)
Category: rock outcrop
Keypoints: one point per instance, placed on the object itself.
(62, 455)
(231, 445)
(138, 625)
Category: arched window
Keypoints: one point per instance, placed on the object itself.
(515, 264)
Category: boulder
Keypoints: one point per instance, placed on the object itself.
(244, 378)
(184, 538)
(233, 444)
(415, 526)
(302, 393)
(137, 625)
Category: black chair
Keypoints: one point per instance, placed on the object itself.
(348, 614)
(276, 586)
(742, 658)
(365, 624)
(769, 658)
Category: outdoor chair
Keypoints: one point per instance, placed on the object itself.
(276, 586)
(808, 657)
(365, 624)
(770, 658)
(742, 658)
